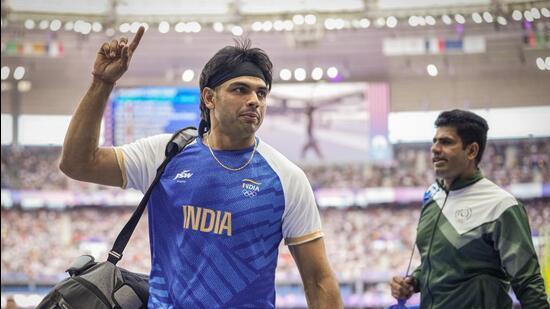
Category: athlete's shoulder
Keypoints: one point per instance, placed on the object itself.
(490, 200)
(155, 141)
(277, 160)
(490, 191)
(150, 146)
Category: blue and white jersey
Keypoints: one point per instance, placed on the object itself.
(215, 233)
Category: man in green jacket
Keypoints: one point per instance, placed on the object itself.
(474, 238)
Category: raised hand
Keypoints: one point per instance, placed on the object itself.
(113, 58)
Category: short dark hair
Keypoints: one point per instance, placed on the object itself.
(228, 58)
(470, 127)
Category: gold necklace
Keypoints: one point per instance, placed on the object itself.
(231, 168)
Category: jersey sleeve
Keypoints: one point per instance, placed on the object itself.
(512, 239)
(138, 161)
(301, 221)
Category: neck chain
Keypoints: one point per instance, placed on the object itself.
(234, 169)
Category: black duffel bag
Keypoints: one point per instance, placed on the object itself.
(98, 285)
(104, 285)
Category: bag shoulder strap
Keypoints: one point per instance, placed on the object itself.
(178, 141)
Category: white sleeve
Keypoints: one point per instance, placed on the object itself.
(139, 161)
(301, 221)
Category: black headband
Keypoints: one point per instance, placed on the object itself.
(242, 69)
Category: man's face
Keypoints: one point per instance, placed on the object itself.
(450, 158)
(239, 105)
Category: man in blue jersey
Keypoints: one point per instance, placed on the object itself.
(474, 237)
(224, 203)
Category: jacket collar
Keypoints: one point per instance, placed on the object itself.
(462, 183)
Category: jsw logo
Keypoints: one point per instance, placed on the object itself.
(183, 175)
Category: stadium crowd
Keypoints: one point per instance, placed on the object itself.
(362, 243)
(505, 162)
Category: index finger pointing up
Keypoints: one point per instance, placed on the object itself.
(137, 38)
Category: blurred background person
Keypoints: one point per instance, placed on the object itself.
(10, 303)
(311, 142)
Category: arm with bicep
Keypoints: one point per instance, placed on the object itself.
(320, 285)
(81, 158)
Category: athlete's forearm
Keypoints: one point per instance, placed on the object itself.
(82, 138)
(323, 293)
(519, 258)
(532, 294)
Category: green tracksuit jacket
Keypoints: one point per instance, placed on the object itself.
(475, 242)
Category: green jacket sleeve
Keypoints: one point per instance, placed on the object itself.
(512, 239)
(416, 277)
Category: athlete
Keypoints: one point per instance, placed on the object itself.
(311, 141)
(224, 203)
(474, 238)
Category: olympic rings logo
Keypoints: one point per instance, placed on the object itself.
(249, 193)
